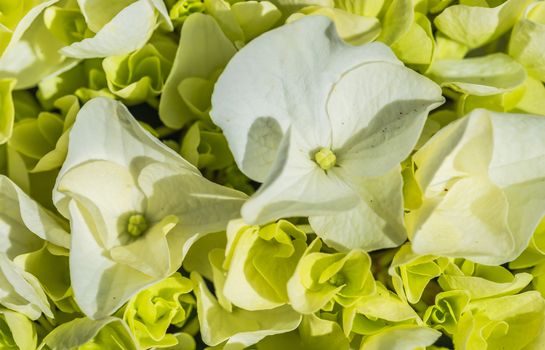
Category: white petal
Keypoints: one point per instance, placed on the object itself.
(377, 113)
(482, 178)
(17, 209)
(116, 136)
(126, 32)
(519, 148)
(163, 13)
(34, 56)
(463, 148)
(200, 205)
(21, 291)
(296, 186)
(153, 246)
(526, 209)
(108, 192)
(470, 222)
(98, 13)
(100, 285)
(284, 75)
(375, 223)
(27, 21)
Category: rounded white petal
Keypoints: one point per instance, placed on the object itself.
(482, 180)
(375, 223)
(100, 285)
(127, 31)
(200, 205)
(29, 221)
(377, 113)
(116, 137)
(21, 291)
(285, 76)
(33, 52)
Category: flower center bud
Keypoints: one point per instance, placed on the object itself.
(337, 280)
(136, 225)
(325, 158)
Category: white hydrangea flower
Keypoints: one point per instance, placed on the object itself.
(135, 207)
(324, 125)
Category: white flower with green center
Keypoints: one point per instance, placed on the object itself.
(135, 207)
(324, 126)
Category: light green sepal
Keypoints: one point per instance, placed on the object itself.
(238, 328)
(417, 46)
(69, 107)
(395, 20)
(411, 273)
(352, 28)
(412, 194)
(533, 99)
(483, 281)
(259, 262)
(503, 102)
(475, 26)
(401, 337)
(512, 322)
(87, 334)
(322, 277)
(378, 311)
(446, 48)
(50, 265)
(151, 312)
(205, 147)
(203, 50)
(139, 76)
(17, 332)
(480, 76)
(66, 24)
(7, 110)
(527, 43)
(447, 310)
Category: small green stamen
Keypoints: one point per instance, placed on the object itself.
(136, 225)
(325, 158)
(337, 279)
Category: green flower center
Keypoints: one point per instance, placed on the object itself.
(337, 280)
(136, 225)
(325, 158)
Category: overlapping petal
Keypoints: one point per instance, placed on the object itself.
(479, 176)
